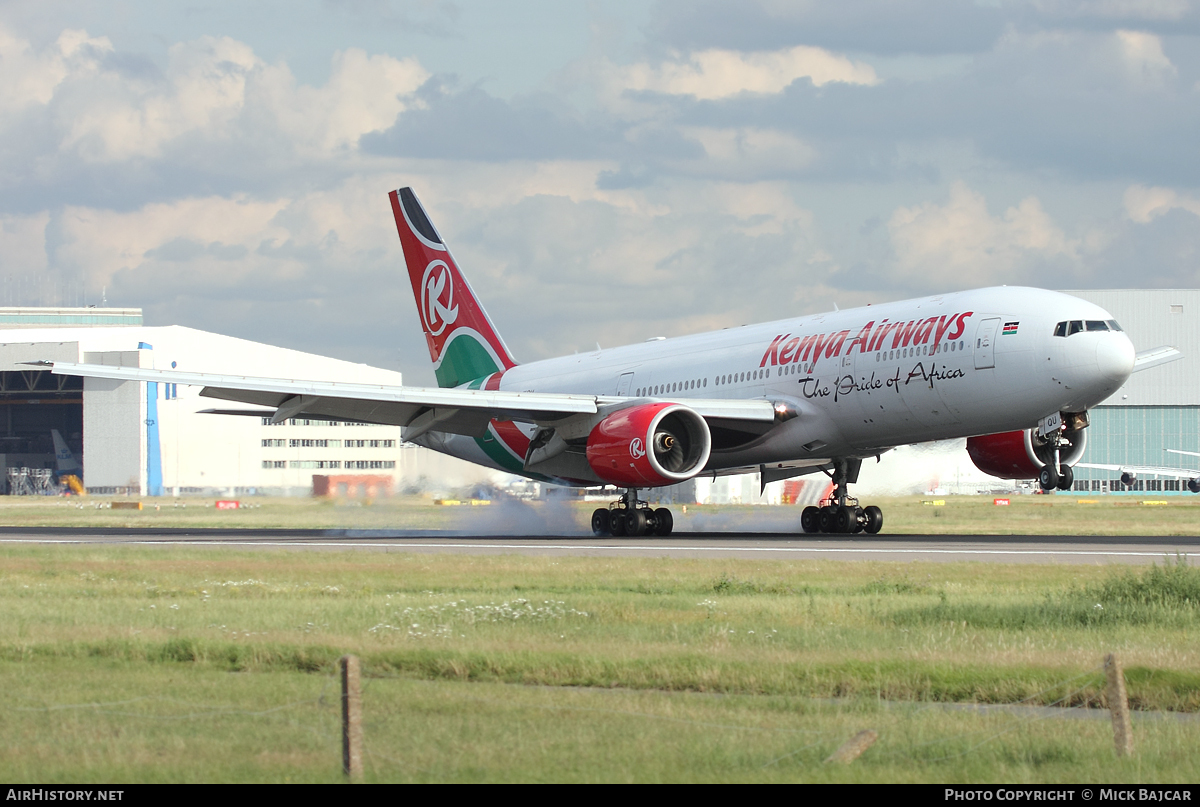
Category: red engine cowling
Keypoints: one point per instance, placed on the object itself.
(649, 446)
(1021, 454)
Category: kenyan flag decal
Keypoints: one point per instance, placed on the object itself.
(1010, 328)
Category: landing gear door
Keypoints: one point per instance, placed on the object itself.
(985, 343)
(624, 383)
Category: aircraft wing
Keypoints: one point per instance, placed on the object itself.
(1154, 357)
(1143, 470)
(420, 409)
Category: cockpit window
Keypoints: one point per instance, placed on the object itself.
(1079, 326)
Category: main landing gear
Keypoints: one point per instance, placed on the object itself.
(628, 516)
(841, 513)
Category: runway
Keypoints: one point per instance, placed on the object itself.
(944, 548)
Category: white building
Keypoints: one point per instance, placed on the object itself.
(155, 439)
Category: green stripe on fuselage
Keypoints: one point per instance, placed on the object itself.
(466, 362)
(466, 347)
(499, 454)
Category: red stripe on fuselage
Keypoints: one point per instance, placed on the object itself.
(506, 431)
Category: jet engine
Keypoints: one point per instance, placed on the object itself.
(1022, 454)
(649, 446)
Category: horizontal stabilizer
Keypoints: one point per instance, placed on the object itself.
(1154, 357)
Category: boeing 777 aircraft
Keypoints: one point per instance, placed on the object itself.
(1015, 370)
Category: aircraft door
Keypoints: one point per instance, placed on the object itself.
(624, 383)
(854, 396)
(985, 343)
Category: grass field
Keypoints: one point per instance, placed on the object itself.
(175, 664)
(1033, 515)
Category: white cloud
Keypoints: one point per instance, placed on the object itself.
(746, 153)
(1144, 204)
(960, 244)
(363, 94)
(213, 88)
(715, 73)
(23, 244)
(1116, 9)
(102, 243)
(1143, 56)
(30, 78)
(113, 119)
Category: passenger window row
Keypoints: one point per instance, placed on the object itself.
(721, 380)
(675, 386)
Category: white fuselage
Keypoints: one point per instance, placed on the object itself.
(864, 380)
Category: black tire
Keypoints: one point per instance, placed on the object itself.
(810, 519)
(601, 524)
(844, 521)
(1194, 485)
(1048, 477)
(616, 523)
(664, 522)
(636, 523)
(874, 519)
(825, 519)
(1066, 478)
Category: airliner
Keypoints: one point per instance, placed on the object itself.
(1014, 370)
(1130, 473)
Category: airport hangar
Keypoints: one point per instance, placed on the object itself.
(152, 439)
(149, 439)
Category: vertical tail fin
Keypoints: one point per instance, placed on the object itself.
(64, 459)
(463, 343)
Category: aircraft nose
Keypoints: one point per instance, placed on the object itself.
(1114, 357)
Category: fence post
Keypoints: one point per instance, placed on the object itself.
(352, 738)
(853, 748)
(1118, 704)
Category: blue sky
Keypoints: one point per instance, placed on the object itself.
(604, 172)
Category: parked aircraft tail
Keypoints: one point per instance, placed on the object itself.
(463, 343)
(64, 459)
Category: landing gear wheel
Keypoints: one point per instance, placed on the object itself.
(664, 522)
(825, 520)
(844, 520)
(860, 521)
(874, 518)
(617, 523)
(635, 523)
(601, 523)
(1066, 478)
(810, 519)
(1048, 477)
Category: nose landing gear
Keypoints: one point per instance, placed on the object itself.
(1056, 474)
(628, 516)
(841, 512)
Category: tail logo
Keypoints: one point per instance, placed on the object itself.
(637, 449)
(437, 298)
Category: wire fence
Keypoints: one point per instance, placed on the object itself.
(318, 716)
